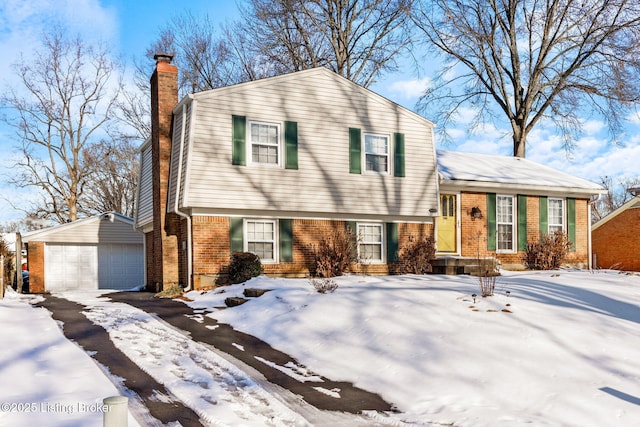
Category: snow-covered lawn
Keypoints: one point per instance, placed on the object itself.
(564, 352)
(561, 349)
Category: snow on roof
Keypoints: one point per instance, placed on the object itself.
(489, 170)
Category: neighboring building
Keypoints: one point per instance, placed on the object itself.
(616, 237)
(493, 205)
(100, 252)
(274, 165)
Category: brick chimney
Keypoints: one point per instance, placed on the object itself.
(163, 270)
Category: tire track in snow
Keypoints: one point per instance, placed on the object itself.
(215, 389)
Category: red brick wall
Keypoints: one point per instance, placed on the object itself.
(164, 97)
(616, 243)
(35, 264)
(474, 232)
(211, 248)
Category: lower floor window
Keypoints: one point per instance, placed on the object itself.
(370, 242)
(261, 239)
(505, 223)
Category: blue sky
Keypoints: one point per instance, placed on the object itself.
(129, 27)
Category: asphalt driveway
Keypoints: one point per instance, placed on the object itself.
(246, 349)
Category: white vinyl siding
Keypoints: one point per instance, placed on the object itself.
(370, 243)
(556, 215)
(505, 227)
(324, 106)
(144, 203)
(376, 153)
(260, 239)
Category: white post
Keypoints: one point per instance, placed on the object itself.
(116, 411)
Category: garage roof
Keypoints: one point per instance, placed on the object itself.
(109, 227)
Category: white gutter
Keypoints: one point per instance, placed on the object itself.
(177, 210)
(528, 189)
(594, 198)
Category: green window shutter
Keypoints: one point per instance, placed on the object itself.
(544, 215)
(398, 154)
(571, 222)
(291, 145)
(355, 151)
(236, 234)
(522, 223)
(286, 240)
(239, 152)
(491, 221)
(392, 242)
(353, 226)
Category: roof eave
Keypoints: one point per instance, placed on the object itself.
(541, 190)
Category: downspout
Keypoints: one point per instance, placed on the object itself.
(177, 210)
(593, 199)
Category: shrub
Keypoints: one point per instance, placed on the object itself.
(416, 255)
(548, 252)
(335, 252)
(487, 275)
(323, 285)
(173, 291)
(243, 266)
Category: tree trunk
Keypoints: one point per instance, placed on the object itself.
(519, 141)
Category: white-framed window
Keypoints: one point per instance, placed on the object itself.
(260, 238)
(264, 143)
(376, 153)
(505, 227)
(555, 208)
(370, 243)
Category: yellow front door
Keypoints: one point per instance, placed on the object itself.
(447, 223)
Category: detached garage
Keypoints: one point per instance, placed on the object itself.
(101, 252)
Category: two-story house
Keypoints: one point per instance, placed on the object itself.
(272, 166)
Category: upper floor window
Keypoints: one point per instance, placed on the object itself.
(556, 215)
(505, 223)
(265, 143)
(376, 152)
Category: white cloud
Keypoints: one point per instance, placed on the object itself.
(592, 127)
(409, 89)
(23, 22)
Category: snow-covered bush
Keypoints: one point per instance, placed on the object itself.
(323, 285)
(548, 252)
(416, 255)
(243, 266)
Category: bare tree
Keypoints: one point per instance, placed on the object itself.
(202, 55)
(63, 107)
(616, 196)
(358, 39)
(204, 58)
(111, 186)
(534, 59)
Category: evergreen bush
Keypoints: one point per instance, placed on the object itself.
(243, 266)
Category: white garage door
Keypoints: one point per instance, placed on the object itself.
(105, 266)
